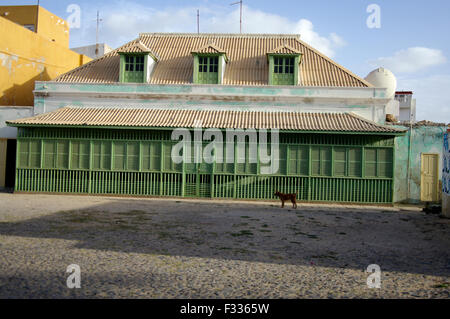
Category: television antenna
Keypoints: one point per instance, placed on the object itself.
(96, 34)
(240, 19)
(198, 21)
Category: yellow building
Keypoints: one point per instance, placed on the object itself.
(34, 46)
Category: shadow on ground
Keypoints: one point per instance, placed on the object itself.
(330, 237)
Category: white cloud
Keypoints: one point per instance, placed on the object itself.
(123, 21)
(431, 93)
(411, 60)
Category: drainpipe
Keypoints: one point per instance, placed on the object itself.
(409, 152)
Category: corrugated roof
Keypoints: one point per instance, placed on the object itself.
(247, 65)
(136, 117)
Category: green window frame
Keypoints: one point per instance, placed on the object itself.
(56, 154)
(101, 155)
(29, 154)
(80, 155)
(126, 156)
(245, 164)
(298, 160)
(321, 160)
(283, 69)
(151, 156)
(133, 68)
(208, 68)
(378, 162)
(347, 162)
(168, 164)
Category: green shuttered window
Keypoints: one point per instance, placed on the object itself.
(321, 160)
(298, 160)
(29, 154)
(80, 155)
(208, 69)
(56, 154)
(378, 162)
(151, 156)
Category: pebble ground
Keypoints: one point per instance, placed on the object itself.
(171, 248)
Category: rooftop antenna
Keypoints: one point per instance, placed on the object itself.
(37, 17)
(240, 20)
(198, 21)
(96, 34)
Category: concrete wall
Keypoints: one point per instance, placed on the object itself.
(26, 57)
(9, 113)
(367, 102)
(425, 139)
(446, 175)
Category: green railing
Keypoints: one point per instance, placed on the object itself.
(321, 189)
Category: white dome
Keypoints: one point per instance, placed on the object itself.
(383, 78)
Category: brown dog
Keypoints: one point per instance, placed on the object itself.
(286, 197)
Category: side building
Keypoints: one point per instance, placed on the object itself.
(34, 46)
(106, 127)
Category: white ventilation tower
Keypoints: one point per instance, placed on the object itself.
(383, 78)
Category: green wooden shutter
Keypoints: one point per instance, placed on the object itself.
(384, 162)
(340, 161)
(133, 156)
(24, 153)
(119, 156)
(62, 160)
(155, 154)
(80, 155)
(49, 154)
(35, 154)
(370, 162)
(354, 165)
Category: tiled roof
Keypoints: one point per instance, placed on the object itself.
(137, 47)
(247, 65)
(285, 49)
(126, 117)
(209, 48)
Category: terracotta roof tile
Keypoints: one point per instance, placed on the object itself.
(247, 63)
(137, 117)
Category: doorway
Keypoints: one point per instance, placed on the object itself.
(429, 185)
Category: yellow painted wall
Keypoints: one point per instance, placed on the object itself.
(3, 143)
(26, 57)
(50, 26)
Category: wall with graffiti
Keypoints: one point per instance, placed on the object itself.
(446, 175)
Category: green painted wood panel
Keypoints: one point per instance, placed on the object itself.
(350, 169)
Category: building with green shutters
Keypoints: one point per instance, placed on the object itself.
(106, 127)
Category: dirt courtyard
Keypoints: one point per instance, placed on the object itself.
(177, 248)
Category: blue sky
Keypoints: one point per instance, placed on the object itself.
(412, 39)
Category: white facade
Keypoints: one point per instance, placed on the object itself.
(407, 106)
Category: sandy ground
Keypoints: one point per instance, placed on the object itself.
(172, 248)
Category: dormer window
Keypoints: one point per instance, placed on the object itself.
(136, 63)
(134, 69)
(284, 66)
(209, 65)
(208, 69)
